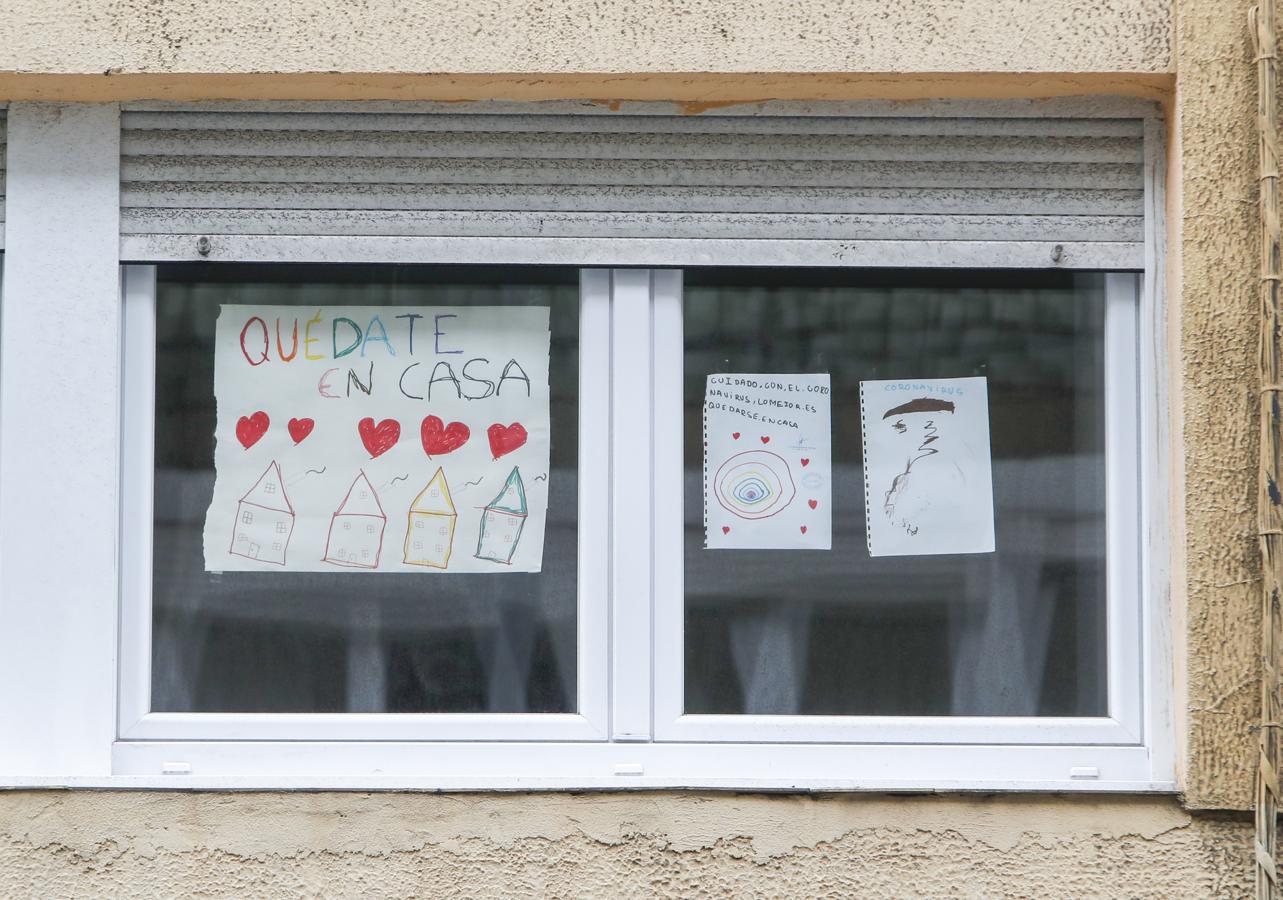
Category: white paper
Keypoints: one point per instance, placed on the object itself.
(768, 467)
(928, 483)
(388, 439)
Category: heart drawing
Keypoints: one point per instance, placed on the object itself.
(440, 438)
(250, 428)
(505, 438)
(726, 529)
(805, 462)
(380, 438)
(300, 429)
(766, 439)
(811, 503)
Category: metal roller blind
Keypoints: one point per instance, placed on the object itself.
(252, 179)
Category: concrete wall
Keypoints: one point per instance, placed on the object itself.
(577, 36)
(1215, 284)
(613, 846)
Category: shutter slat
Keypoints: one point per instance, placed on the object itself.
(470, 223)
(310, 170)
(616, 198)
(671, 149)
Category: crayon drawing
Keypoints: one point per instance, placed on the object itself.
(928, 481)
(767, 462)
(264, 520)
(356, 528)
(502, 521)
(429, 534)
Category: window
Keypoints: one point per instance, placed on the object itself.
(1036, 645)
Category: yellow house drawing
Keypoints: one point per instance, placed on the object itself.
(429, 534)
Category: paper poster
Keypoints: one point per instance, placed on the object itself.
(768, 468)
(928, 485)
(379, 439)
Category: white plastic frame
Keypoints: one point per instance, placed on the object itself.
(59, 631)
(138, 722)
(1125, 597)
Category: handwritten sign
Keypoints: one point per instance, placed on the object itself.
(768, 469)
(928, 482)
(380, 439)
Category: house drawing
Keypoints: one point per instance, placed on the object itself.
(356, 528)
(429, 533)
(264, 520)
(502, 520)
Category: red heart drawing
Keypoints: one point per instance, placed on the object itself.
(806, 462)
(250, 428)
(765, 439)
(441, 438)
(811, 503)
(803, 527)
(300, 428)
(726, 529)
(505, 439)
(736, 435)
(380, 438)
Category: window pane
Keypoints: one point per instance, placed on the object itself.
(1017, 632)
(334, 642)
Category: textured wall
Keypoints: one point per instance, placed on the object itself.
(90, 844)
(92, 36)
(1215, 103)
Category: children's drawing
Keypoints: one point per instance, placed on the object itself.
(330, 392)
(502, 521)
(250, 428)
(439, 438)
(927, 473)
(506, 438)
(429, 535)
(767, 462)
(378, 438)
(299, 429)
(356, 528)
(754, 484)
(264, 520)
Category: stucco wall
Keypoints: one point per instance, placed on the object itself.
(1217, 294)
(612, 845)
(557, 36)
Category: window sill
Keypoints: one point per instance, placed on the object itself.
(563, 766)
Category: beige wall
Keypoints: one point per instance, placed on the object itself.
(576, 36)
(90, 844)
(1216, 252)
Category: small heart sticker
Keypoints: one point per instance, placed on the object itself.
(250, 428)
(736, 435)
(726, 529)
(803, 529)
(766, 439)
(805, 462)
(811, 503)
(300, 429)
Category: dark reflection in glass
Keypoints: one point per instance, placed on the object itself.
(322, 642)
(1019, 632)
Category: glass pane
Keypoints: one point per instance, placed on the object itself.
(342, 642)
(1017, 632)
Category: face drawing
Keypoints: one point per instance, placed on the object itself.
(921, 429)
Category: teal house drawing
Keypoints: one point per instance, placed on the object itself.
(502, 520)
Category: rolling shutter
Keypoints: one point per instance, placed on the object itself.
(582, 184)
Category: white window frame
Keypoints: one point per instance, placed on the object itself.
(136, 719)
(73, 711)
